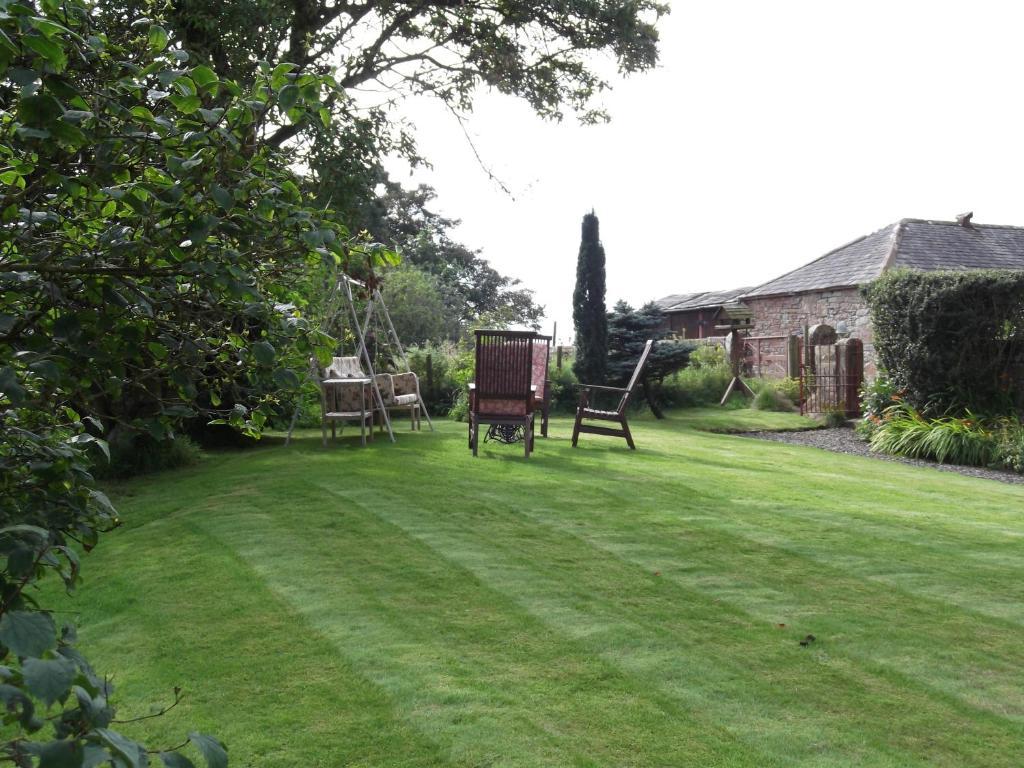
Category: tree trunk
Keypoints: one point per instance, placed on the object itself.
(649, 397)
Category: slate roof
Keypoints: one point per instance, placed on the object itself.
(684, 302)
(909, 243)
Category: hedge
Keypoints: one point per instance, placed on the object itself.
(952, 340)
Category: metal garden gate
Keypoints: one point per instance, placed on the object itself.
(831, 372)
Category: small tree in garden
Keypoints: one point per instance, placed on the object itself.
(628, 331)
(588, 308)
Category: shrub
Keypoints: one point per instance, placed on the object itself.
(952, 339)
(564, 394)
(877, 396)
(787, 387)
(1010, 451)
(451, 369)
(708, 356)
(834, 418)
(145, 455)
(904, 431)
(697, 385)
(770, 397)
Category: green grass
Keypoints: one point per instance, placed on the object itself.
(408, 605)
(727, 420)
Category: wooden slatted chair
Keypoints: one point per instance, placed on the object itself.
(585, 412)
(502, 392)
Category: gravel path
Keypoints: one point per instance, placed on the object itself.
(843, 440)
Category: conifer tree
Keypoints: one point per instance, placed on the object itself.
(588, 308)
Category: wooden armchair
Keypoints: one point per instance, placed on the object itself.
(502, 392)
(585, 412)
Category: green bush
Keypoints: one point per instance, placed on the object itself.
(451, 369)
(877, 396)
(904, 431)
(708, 356)
(770, 398)
(787, 387)
(952, 340)
(1010, 452)
(146, 455)
(564, 393)
(696, 385)
(834, 418)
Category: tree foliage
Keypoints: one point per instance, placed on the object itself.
(951, 340)
(416, 306)
(588, 307)
(155, 253)
(152, 268)
(541, 52)
(471, 289)
(628, 332)
(378, 52)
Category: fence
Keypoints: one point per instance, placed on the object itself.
(765, 356)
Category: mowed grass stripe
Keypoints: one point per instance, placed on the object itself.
(565, 545)
(254, 672)
(984, 673)
(692, 645)
(472, 669)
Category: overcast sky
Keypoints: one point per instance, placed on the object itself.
(770, 134)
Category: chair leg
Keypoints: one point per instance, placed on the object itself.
(629, 436)
(576, 428)
(476, 436)
(362, 429)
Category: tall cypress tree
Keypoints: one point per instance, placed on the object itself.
(588, 310)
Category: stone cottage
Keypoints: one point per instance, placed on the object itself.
(827, 289)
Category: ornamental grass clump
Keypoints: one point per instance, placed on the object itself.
(969, 440)
(771, 398)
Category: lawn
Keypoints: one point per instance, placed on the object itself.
(408, 605)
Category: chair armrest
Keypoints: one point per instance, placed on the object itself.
(599, 386)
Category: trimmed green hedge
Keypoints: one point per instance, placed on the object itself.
(952, 340)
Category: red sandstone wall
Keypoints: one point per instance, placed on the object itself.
(783, 315)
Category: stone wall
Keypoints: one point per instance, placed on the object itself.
(783, 315)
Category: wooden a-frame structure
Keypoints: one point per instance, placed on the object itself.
(344, 287)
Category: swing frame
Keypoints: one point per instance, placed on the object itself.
(344, 287)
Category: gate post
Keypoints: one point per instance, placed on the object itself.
(850, 375)
(793, 356)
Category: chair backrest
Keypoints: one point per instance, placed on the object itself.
(540, 356)
(504, 368)
(345, 368)
(636, 375)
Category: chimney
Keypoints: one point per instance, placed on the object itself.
(964, 219)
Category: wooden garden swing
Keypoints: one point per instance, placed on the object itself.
(349, 382)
